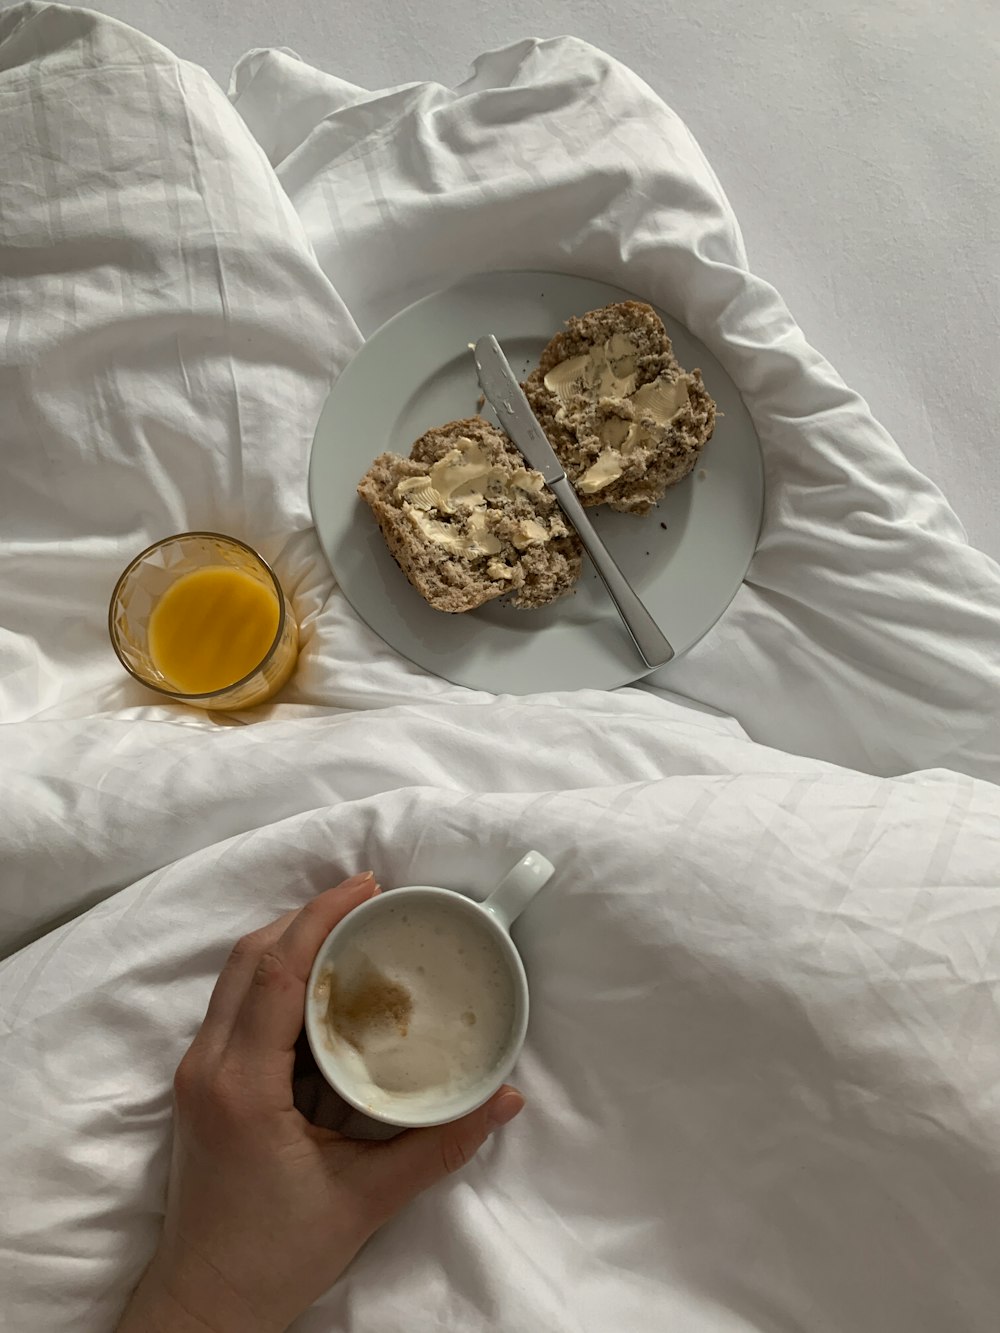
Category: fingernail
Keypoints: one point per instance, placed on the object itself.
(503, 1109)
(356, 881)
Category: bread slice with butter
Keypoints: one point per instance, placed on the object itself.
(624, 418)
(467, 521)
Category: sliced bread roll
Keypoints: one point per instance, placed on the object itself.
(624, 418)
(467, 521)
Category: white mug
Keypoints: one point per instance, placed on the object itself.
(498, 911)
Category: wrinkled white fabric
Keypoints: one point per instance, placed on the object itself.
(856, 141)
(764, 1057)
(763, 1066)
(867, 630)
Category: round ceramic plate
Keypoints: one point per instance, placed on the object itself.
(686, 559)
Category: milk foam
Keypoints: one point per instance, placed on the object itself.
(462, 1004)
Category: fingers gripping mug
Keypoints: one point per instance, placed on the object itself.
(417, 1004)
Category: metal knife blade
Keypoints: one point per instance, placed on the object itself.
(506, 397)
(499, 383)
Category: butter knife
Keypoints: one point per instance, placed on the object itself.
(506, 397)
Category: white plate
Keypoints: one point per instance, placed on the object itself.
(686, 559)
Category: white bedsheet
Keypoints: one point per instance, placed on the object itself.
(864, 612)
(856, 140)
(764, 1060)
(764, 1057)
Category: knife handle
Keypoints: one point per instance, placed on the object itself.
(653, 645)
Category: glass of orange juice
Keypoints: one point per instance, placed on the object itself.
(201, 618)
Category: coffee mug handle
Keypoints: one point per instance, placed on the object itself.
(517, 888)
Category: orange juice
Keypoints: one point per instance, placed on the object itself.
(211, 628)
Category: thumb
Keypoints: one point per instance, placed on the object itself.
(406, 1166)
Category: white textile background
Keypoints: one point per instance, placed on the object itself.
(763, 1067)
(863, 612)
(856, 141)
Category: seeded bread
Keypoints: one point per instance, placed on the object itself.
(624, 418)
(467, 521)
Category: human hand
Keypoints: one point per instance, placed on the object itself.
(264, 1209)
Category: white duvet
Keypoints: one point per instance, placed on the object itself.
(764, 1063)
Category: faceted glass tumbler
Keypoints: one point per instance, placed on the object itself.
(148, 577)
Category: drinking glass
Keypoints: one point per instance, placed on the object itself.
(149, 576)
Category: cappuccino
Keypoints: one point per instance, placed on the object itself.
(420, 1004)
